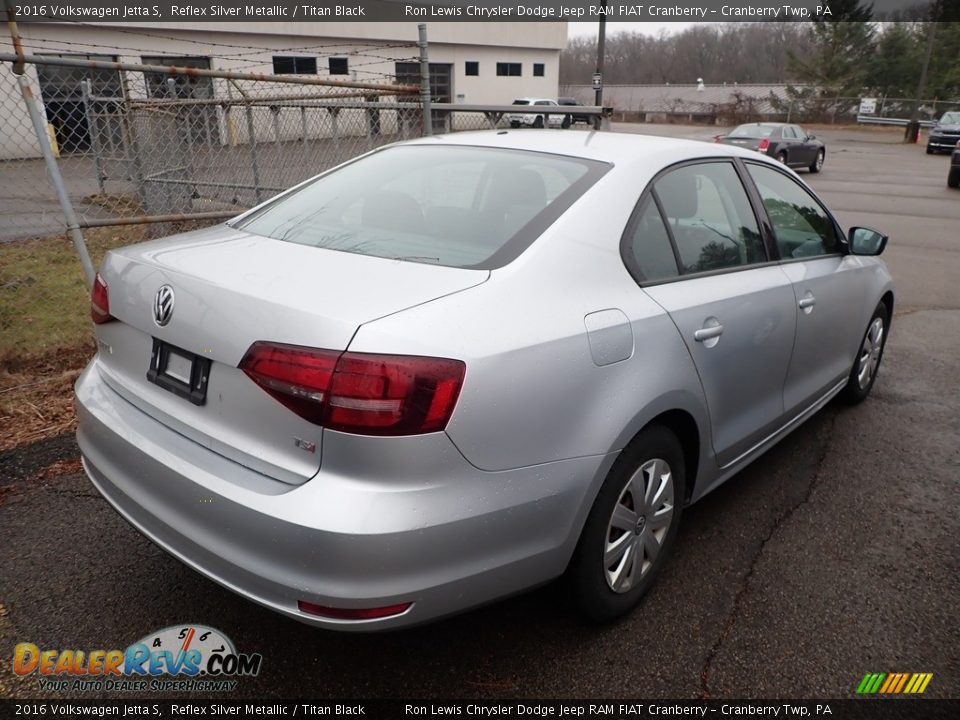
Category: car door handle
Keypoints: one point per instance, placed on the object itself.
(708, 333)
(807, 302)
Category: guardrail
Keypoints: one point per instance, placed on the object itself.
(902, 122)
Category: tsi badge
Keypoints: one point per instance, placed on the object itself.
(181, 658)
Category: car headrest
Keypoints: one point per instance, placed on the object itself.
(678, 194)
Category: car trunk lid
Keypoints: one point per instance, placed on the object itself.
(230, 289)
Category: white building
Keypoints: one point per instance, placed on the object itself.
(474, 63)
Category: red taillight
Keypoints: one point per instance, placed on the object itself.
(297, 377)
(100, 301)
(358, 392)
(353, 613)
(764, 144)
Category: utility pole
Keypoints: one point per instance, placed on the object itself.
(913, 127)
(598, 75)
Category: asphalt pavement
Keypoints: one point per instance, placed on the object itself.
(834, 555)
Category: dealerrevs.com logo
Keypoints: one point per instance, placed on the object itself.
(180, 658)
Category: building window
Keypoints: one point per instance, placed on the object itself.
(338, 66)
(472, 67)
(508, 69)
(538, 69)
(289, 65)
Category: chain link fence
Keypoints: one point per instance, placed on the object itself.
(135, 144)
(732, 104)
(98, 153)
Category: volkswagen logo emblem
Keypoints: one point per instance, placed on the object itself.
(163, 305)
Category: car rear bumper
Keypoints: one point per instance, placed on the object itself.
(405, 520)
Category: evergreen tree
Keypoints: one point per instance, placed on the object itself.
(840, 47)
(895, 67)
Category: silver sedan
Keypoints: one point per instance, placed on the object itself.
(457, 368)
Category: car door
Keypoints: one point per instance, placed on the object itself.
(790, 144)
(733, 308)
(827, 286)
(807, 149)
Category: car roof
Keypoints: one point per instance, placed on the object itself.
(610, 147)
(533, 99)
(766, 124)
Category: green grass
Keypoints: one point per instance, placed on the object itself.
(44, 300)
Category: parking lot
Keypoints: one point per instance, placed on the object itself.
(834, 555)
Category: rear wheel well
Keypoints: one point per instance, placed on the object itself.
(684, 427)
(887, 300)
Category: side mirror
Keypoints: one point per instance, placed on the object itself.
(866, 241)
(811, 137)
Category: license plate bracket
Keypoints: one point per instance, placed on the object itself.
(180, 371)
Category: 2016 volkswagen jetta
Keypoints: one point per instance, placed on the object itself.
(459, 367)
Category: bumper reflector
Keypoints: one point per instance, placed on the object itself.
(353, 613)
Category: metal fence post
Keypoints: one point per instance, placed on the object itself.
(252, 141)
(334, 123)
(425, 80)
(92, 130)
(275, 112)
(73, 227)
(303, 125)
(131, 145)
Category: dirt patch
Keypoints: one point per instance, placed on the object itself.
(36, 394)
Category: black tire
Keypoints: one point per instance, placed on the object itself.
(929, 149)
(854, 391)
(781, 157)
(953, 177)
(587, 574)
(566, 122)
(538, 123)
(817, 163)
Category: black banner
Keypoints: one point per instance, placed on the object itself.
(437, 10)
(907, 709)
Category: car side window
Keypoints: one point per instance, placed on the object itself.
(802, 227)
(710, 217)
(647, 245)
(789, 132)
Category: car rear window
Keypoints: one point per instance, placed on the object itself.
(521, 102)
(456, 206)
(752, 131)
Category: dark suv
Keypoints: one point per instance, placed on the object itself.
(570, 119)
(945, 134)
